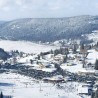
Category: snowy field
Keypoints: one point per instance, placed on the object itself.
(23, 87)
(27, 47)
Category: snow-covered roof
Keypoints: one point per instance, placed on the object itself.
(48, 69)
(82, 90)
(58, 77)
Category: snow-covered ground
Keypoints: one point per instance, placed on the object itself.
(23, 87)
(78, 67)
(27, 47)
(92, 56)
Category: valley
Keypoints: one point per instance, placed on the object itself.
(68, 69)
(49, 57)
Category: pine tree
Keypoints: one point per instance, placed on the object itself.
(90, 47)
(56, 52)
(65, 59)
(96, 64)
(1, 95)
(60, 50)
(66, 51)
(74, 49)
(97, 44)
(38, 57)
(41, 55)
(51, 52)
(82, 47)
(96, 94)
(93, 94)
(31, 61)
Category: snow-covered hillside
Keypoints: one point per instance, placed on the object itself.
(23, 87)
(27, 47)
(48, 29)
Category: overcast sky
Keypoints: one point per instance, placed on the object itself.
(13, 9)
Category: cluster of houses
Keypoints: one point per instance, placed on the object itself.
(75, 58)
(68, 55)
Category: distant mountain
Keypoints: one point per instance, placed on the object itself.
(48, 29)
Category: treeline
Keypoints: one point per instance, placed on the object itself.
(95, 94)
(2, 96)
(3, 54)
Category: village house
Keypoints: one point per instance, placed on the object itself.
(59, 58)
